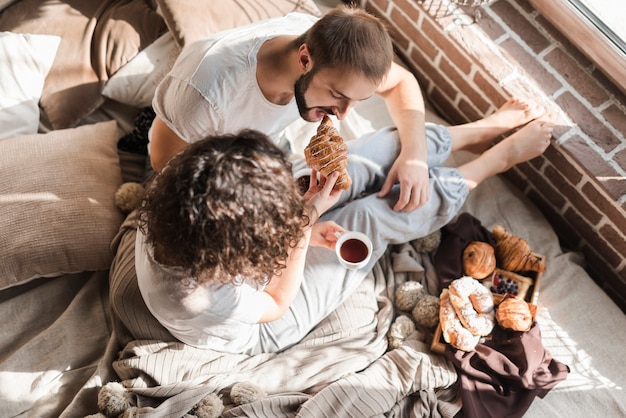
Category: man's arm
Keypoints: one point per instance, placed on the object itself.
(405, 103)
(164, 144)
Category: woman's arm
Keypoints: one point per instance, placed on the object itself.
(283, 288)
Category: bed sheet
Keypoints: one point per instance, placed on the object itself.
(60, 342)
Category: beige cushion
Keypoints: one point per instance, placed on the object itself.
(57, 210)
(189, 20)
(97, 38)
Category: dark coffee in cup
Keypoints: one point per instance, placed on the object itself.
(353, 250)
(303, 183)
(303, 178)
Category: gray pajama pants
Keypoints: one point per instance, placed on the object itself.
(326, 284)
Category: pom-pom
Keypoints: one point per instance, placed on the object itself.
(211, 406)
(407, 295)
(130, 413)
(245, 392)
(401, 328)
(113, 399)
(128, 196)
(427, 244)
(426, 311)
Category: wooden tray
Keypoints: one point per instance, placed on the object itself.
(529, 282)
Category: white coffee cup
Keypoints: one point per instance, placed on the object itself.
(353, 249)
(303, 178)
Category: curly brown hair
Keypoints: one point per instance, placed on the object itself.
(225, 208)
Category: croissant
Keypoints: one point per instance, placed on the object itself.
(479, 259)
(327, 153)
(515, 314)
(514, 254)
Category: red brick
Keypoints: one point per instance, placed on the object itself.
(406, 26)
(590, 161)
(544, 187)
(554, 155)
(521, 26)
(590, 235)
(409, 8)
(491, 28)
(616, 117)
(445, 107)
(524, 5)
(461, 84)
(564, 42)
(428, 48)
(615, 216)
(609, 85)
(571, 71)
(466, 106)
(443, 41)
(532, 66)
(573, 196)
(434, 74)
(620, 159)
(614, 238)
(380, 5)
(587, 122)
(490, 89)
(615, 186)
(568, 236)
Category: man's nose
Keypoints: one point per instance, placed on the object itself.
(342, 112)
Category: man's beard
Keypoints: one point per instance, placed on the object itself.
(300, 88)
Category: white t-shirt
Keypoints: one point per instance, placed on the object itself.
(211, 315)
(212, 87)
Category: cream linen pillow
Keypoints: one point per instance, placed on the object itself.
(57, 209)
(189, 20)
(25, 60)
(134, 84)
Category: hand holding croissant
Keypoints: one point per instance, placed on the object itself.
(327, 153)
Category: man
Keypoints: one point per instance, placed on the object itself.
(265, 75)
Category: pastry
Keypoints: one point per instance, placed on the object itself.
(514, 254)
(452, 330)
(479, 259)
(514, 314)
(473, 304)
(327, 153)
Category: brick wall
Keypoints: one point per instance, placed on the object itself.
(469, 67)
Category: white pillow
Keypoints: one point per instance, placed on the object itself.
(25, 60)
(134, 84)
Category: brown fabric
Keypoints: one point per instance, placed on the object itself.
(189, 20)
(98, 37)
(502, 377)
(131, 319)
(448, 259)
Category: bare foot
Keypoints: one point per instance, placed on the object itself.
(529, 142)
(515, 112)
(477, 136)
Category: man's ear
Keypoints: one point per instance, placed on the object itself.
(305, 62)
